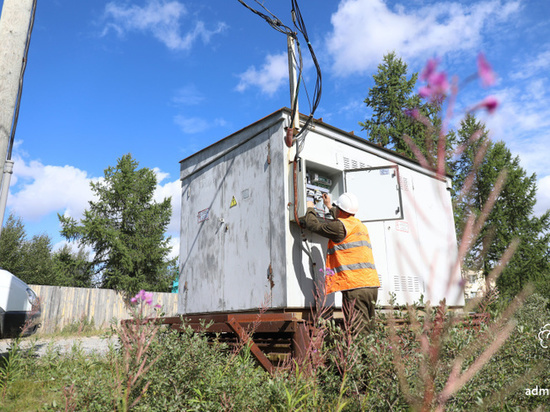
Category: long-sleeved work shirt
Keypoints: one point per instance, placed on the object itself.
(331, 229)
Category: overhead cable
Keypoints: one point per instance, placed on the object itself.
(273, 21)
(299, 24)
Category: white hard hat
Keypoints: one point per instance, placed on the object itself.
(348, 203)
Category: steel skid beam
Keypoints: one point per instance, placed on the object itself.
(268, 329)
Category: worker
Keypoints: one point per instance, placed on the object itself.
(350, 262)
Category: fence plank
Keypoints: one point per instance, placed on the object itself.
(62, 306)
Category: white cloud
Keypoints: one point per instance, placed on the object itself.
(160, 175)
(272, 75)
(161, 18)
(543, 195)
(193, 125)
(188, 95)
(39, 190)
(365, 30)
(175, 245)
(173, 190)
(523, 123)
(540, 62)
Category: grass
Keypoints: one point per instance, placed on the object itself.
(381, 371)
(81, 327)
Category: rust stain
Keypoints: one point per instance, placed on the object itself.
(270, 277)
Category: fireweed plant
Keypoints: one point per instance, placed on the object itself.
(430, 353)
(433, 391)
(135, 336)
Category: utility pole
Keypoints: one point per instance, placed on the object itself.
(15, 26)
(293, 80)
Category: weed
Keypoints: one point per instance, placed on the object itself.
(81, 327)
(136, 336)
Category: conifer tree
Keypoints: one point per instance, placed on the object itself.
(29, 260)
(126, 229)
(392, 99)
(73, 269)
(510, 219)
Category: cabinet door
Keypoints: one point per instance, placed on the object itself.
(378, 191)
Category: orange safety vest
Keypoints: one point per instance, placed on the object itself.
(351, 262)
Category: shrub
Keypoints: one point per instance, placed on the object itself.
(193, 374)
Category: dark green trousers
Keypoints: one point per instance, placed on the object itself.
(363, 301)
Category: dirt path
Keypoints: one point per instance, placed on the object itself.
(91, 344)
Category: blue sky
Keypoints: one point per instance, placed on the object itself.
(161, 79)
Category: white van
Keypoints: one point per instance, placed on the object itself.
(19, 307)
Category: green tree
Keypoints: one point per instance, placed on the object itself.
(38, 267)
(12, 240)
(392, 99)
(511, 217)
(73, 269)
(473, 137)
(126, 229)
(29, 260)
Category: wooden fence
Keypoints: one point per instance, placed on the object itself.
(63, 306)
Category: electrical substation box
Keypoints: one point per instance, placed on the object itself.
(241, 249)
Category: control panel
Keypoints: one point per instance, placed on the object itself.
(316, 186)
(314, 180)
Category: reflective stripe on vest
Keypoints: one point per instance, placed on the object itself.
(349, 246)
(351, 261)
(355, 266)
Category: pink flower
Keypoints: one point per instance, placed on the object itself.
(148, 298)
(490, 103)
(143, 296)
(327, 271)
(429, 69)
(485, 71)
(414, 113)
(437, 84)
(138, 297)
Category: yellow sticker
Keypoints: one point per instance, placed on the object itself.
(233, 202)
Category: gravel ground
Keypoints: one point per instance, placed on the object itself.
(92, 344)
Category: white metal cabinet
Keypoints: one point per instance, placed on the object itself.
(240, 248)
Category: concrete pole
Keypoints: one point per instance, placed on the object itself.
(14, 31)
(293, 80)
(8, 170)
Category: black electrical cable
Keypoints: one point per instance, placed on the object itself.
(272, 21)
(298, 21)
(299, 138)
(21, 75)
(300, 25)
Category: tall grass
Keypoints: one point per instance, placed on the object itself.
(386, 370)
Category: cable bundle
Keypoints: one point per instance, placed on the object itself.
(299, 24)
